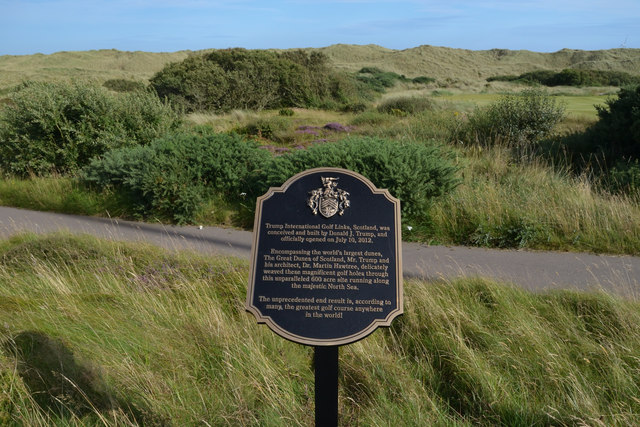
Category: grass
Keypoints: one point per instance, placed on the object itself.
(502, 203)
(59, 194)
(578, 106)
(159, 338)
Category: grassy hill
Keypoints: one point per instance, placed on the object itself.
(448, 65)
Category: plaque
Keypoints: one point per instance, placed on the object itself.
(326, 264)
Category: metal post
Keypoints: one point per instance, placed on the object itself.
(326, 386)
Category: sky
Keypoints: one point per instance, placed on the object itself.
(48, 26)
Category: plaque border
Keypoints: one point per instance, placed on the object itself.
(254, 254)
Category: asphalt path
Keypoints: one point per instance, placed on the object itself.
(529, 269)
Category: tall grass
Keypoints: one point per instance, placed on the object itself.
(163, 339)
(511, 204)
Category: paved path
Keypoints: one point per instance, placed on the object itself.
(531, 270)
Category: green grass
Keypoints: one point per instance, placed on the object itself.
(506, 204)
(60, 194)
(578, 106)
(153, 337)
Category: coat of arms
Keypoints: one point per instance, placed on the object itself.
(329, 199)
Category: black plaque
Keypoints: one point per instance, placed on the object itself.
(326, 264)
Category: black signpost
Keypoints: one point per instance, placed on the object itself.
(326, 267)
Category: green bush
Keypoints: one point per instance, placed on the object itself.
(517, 120)
(354, 107)
(423, 80)
(406, 105)
(252, 79)
(610, 145)
(60, 126)
(414, 173)
(618, 128)
(124, 85)
(172, 176)
(286, 112)
(625, 177)
(378, 80)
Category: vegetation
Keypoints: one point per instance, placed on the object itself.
(441, 63)
(124, 85)
(517, 120)
(98, 333)
(402, 105)
(222, 80)
(572, 77)
(380, 81)
(414, 173)
(515, 172)
(173, 177)
(507, 204)
(618, 129)
(48, 127)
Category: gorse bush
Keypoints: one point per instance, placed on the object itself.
(61, 126)
(618, 126)
(611, 144)
(253, 79)
(124, 85)
(414, 173)
(377, 79)
(516, 120)
(171, 177)
(624, 177)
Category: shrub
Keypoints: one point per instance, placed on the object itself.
(516, 120)
(625, 177)
(423, 80)
(406, 105)
(287, 112)
(354, 107)
(252, 79)
(124, 85)
(414, 173)
(618, 128)
(378, 80)
(171, 177)
(61, 126)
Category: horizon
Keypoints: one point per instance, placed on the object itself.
(29, 27)
(310, 47)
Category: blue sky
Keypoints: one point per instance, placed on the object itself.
(47, 26)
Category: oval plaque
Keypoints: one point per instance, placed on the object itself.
(326, 264)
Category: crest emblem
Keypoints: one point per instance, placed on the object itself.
(329, 199)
